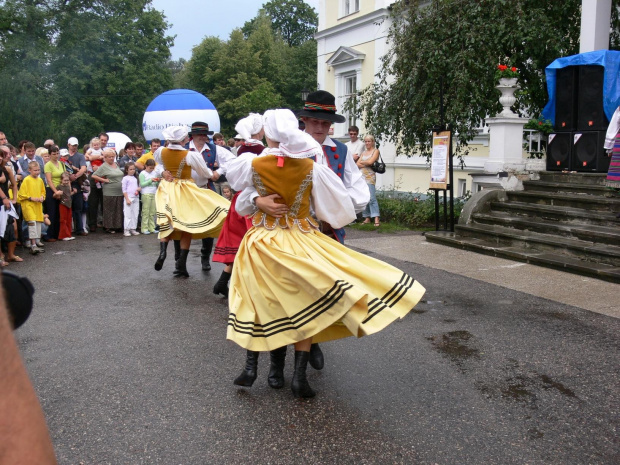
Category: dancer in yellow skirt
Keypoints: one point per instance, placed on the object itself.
(291, 284)
(185, 211)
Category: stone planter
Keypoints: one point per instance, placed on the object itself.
(508, 87)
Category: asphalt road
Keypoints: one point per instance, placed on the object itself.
(132, 367)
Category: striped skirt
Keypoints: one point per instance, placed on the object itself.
(288, 285)
(232, 234)
(182, 206)
(613, 175)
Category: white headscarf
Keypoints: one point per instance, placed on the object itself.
(282, 126)
(250, 125)
(175, 133)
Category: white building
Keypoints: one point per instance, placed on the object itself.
(352, 38)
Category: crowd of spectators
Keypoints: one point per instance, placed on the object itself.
(50, 193)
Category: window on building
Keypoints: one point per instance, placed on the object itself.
(351, 6)
(350, 90)
(462, 187)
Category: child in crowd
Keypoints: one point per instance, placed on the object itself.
(85, 193)
(65, 190)
(131, 192)
(149, 180)
(89, 168)
(94, 154)
(31, 196)
(227, 192)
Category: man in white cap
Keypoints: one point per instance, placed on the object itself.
(78, 163)
(238, 143)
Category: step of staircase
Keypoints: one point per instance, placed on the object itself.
(564, 187)
(542, 242)
(556, 213)
(579, 231)
(555, 260)
(583, 201)
(565, 221)
(572, 177)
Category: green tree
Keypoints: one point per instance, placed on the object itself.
(25, 84)
(96, 61)
(193, 75)
(177, 68)
(294, 20)
(237, 74)
(111, 61)
(461, 42)
(251, 73)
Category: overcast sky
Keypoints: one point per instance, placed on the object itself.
(193, 20)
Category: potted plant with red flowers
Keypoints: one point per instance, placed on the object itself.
(506, 75)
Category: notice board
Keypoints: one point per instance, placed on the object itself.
(440, 160)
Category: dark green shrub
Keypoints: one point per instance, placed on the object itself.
(413, 210)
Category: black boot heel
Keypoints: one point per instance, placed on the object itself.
(177, 253)
(162, 256)
(181, 270)
(299, 385)
(316, 360)
(221, 286)
(205, 253)
(248, 375)
(276, 370)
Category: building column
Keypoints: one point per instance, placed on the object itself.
(595, 20)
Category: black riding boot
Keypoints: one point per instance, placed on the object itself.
(276, 370)
(205, 253)
(248, 375)
(299, 385)
(162, 255)
(177, 253)
(221, 286)
(316, 357)
(181, 265)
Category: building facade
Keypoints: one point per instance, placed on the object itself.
(352, 38)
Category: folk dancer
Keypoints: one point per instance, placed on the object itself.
(292, 285)
(185, 211)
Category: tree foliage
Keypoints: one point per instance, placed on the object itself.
(250, 74)
(92, 63)
(294, 20)
(460, 43)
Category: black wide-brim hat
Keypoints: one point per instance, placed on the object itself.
(321, 105)
(200, 128)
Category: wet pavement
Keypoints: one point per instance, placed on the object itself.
(132, 367)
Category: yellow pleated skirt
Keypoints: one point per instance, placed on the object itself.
(288, 285)
(182, 206)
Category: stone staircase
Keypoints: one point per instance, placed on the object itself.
(565, 221)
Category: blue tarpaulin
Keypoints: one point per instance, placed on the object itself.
(609, 59)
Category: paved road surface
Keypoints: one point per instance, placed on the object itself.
(132, 367)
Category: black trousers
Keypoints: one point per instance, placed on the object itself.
(77, 204)
(94, 200)
(52, 208)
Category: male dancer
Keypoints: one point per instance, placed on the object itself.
(216, 158)
(318, 114)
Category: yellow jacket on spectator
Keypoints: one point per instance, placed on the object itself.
(145, 157)
(31, 187)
